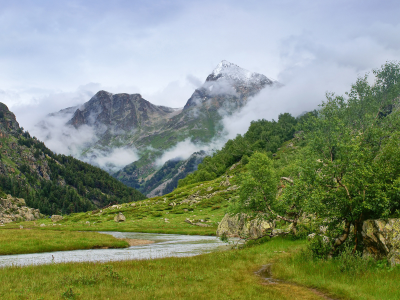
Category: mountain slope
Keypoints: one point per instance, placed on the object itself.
(52, 183)
(131, 123)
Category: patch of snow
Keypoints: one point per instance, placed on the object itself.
(228, 70)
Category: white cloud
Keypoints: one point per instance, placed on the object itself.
(51, 48)
(184, 149)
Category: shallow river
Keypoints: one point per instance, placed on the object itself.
(165, 245)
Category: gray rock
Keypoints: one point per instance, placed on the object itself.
(241, 225)
(56, 218)
(119, 218)
(382, 239)
(29, 217)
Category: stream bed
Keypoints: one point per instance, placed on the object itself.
(165, 245)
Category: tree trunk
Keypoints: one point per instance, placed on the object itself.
(341, 239)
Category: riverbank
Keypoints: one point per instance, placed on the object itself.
(20, 241)
(221, 275)
(218, 275)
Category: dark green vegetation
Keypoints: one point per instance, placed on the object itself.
(262, 136)
(171, 172)
(16, 241)
(53, 183)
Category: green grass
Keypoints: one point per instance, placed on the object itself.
(16, 241)
(347, 279)
(149, 215)
(222, 275)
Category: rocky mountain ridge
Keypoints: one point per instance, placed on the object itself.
(129, 122)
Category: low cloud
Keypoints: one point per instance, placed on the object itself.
(111, 160)
(184, 149)
(80, 143)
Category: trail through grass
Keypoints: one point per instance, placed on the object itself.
(348, 281)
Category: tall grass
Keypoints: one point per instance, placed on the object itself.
(348, 276)
(16, 241)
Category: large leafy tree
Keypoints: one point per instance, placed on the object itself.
(350, 171)
(259, 189)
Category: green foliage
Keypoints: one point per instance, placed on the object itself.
(259, 185)
(319, 247)
(262, 136)
(350, 167)
(353, 263)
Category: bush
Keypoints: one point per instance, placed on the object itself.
(353, 263)
(320, 247)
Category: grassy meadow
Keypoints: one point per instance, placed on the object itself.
(221, 275)
(163, 214)
(346, 277)
(218, 275)
(17, 241)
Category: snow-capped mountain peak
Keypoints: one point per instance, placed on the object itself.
(228, 70)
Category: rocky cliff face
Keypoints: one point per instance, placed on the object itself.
(118, 113)
(382, 239)
(15, 209)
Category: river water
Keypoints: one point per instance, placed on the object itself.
(165, 245)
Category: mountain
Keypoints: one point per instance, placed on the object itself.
(127, 122)
(164, 180)
(228, 86)
(52, 183)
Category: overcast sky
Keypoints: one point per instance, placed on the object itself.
(55, 54)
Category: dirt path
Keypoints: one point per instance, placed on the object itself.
(291, 288)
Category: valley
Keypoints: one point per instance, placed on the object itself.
(128, 124)
(289, 189)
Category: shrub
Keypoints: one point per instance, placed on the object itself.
(353, 263)
(320, 247)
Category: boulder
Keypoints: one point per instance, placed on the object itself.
(241, 225)
(56, 218)
(382, 239)
(29, 216)
(119, 218)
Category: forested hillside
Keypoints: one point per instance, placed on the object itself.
(53, 183)
(262, 136)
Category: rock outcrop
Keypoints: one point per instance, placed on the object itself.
(382, 239)
(241, 225)
(56, 218)
(119, 218)
(15, 209)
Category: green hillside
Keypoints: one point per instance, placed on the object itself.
(55, 184)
